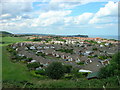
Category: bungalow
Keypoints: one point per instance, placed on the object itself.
(13, 47)
(16, 49)
(32, 61)
(46, 64)
(88, 53)
(77, 61)
(46, 47)
(87, 71)
(26, 48)
(52, 47)
(39, 47)
(107, 44)
(57, 55)
(32, 47)
(88, 61)
(99, 42)
(92, 76)
(21, 55)
(104, 62)
(39, 68)
(101, 46)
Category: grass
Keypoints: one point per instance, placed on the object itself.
(10, 40)
(13, 71)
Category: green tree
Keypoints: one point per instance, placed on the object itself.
(55, 70)
(68, 68)
(112, 69)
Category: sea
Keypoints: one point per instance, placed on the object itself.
(106, 36)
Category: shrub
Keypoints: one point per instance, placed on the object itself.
(80, 63)
(36, 39)
(41, 72)
(95, 49)
(33, 65)
(90, 56)
(103, 57)
(55, 70)
(68, 68)
(95, 55)
(68, 76)
(33, 73)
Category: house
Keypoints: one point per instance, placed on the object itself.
(107, 44)
(39, 47)
(39, 68)
(83, 70)
(32, 61)
(26, 48)
(52, 47)
(16, 49)
(99, 42)
(32, 47)
(40, 51)
(88, 61)
(46, 47)
(104, 62)
(46, 64)
(88, 53)
(101, 46)
(13, 47)
(21, 55)
(93, 75)
(77, 61)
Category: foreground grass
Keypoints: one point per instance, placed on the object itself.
(13, 71)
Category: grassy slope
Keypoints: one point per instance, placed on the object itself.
(13, 71)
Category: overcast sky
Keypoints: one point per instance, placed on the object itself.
(62, 17)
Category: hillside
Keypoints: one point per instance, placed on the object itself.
(4, 33)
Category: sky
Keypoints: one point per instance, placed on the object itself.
(60, 17)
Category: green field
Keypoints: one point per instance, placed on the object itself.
(17, 74)
(10, 40)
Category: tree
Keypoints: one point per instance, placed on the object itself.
(68, 68)
(112, 69)
(55, 70)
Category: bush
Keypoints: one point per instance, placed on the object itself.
(36, 39)
(90, 56)
(33, 65)
(68, 76)
(68, 68)
(95, 49)
(41, 72)
(55, 70)
(103, 57)
(33, 73)
(29, 59)
(80, 63)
